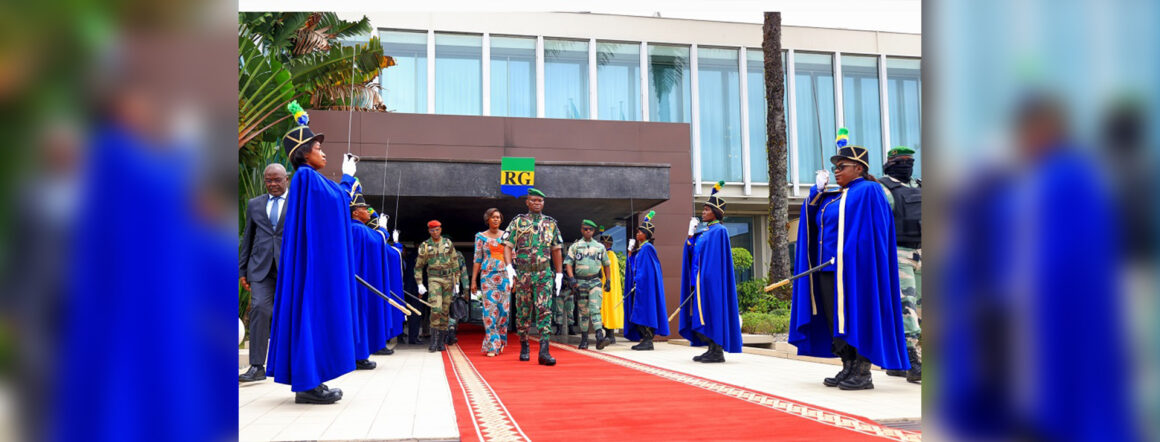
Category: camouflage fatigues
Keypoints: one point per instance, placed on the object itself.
(464, 283)
(910, 280)
(588, 259)
(442, 273)
(562, 307)
(532, 238)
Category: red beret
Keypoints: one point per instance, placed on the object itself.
(434, 223)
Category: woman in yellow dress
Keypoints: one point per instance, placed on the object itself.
(610, 312)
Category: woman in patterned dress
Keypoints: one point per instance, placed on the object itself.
(495, 285)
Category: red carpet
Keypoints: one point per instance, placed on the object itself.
(591, 395)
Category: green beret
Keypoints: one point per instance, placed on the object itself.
(900, 150)
(532, 191)
(588, 223)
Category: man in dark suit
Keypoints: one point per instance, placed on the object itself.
(261, 250)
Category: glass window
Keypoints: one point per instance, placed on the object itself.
(719, 86)
(618, 81)
(670, 91)
(458, 74)
(565, 79)
(740, 230)
(904, 88)
(513, 76)
(404, 86)
(860, 106)
(814, 95)
(755, 74)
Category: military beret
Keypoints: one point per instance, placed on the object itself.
(900, 150)
(434, 223)
(532, 191)
(588, 223)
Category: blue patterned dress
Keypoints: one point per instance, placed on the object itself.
(496, 295)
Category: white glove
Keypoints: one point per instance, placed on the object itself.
(383, 222)
(475, 296)
(631, 243)
(395, 236)
(822, 178)
(348, 164)
(456, 288)
(511, 274)
(559, 279)
(693, 225)
(422, 289)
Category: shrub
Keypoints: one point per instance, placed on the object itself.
(751, 298)
(742, 259)
(765, 323)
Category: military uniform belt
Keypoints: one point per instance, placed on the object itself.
(596, 276)
(539, 267)
(440, 272)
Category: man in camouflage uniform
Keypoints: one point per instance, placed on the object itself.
(563, 307)
(437, 255)
(584, 262)
(898, 169)
(463, 282)
(533, 250)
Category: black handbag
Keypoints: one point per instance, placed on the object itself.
(459, 309)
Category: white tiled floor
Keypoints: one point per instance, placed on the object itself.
(405, 397)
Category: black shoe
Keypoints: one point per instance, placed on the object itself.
(611, 336)
(525, 354)
(451, 339)
(601, 339)
(546, 357)
(583, 341)
(255, 373)
(701, 356)
(716, 354)
(434, 345)
(571, 330)
(337, 391)
(914, 376)
(385, 352)
(645, 344)
(365, 364)
(443, 336)
(896, 373)
(416, 341)
(847, 369)
(860, 379)
(317, 395)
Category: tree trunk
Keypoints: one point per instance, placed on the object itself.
(775, 149)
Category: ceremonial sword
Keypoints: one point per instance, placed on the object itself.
(770, 287)
(674, 315)
(383, 295)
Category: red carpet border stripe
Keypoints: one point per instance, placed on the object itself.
(805, 411)
(492, 420)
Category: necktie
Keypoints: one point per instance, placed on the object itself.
(274, 212)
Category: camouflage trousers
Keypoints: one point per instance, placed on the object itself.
(910, 280)
(562, 307)
(589, 297)
(533, 291)
(440, 292)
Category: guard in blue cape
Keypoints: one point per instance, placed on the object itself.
(312, 334)
(708, 291)
(393, 273)
(369, 253)
(851, 308)
(645, 307)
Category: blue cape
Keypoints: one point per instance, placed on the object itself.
(707, 276)
(394, 274)
(647, 304)
(868, 308)
(312, 334)
(369, 255)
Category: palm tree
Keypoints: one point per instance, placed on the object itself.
(775, 148)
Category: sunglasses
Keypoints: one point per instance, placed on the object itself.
(841, 167)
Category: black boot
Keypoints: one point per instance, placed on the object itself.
(337, 391)
(847, 368)
(545, 357)
(365, 364)
(860, 378)
(583, 341)
(646, 338)
(601, 341)
(316, 395)
(435, 340)
(611, 336)
(443, 337)
(716, 354)
(708, 351)
(525, 354)
(451, 339)
(255, 373)
(385, 352)
(914, 376)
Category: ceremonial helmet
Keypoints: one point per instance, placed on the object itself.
(647, 226)
(300, 135)
(715, 201)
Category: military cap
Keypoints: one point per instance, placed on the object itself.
(532, 191)
(300, 135)
(434, 223)
(588, 223)
(899, 150)
(715, 201)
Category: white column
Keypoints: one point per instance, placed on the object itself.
(430, 71)
(593, 102)
(839, 112)
(695, 125)
(885, 104)
(540, 76)
(486, 64)
(746, 162)
(791, 124)
(644, 81)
